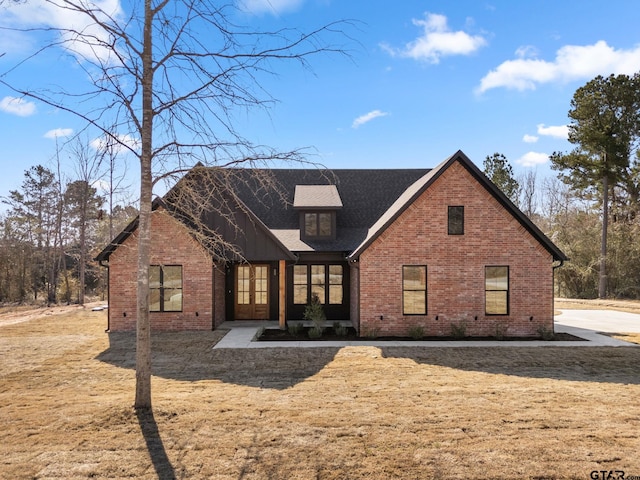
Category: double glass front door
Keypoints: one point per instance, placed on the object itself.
(252, 292)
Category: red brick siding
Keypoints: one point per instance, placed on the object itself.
(171, 244)
(455, 265)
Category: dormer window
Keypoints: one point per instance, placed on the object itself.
(318, 205)
(319, 224)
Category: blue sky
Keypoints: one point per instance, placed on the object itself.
(425, 78)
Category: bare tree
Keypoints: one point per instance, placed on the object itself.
(83, 202)
(528, 198)
(169, 76)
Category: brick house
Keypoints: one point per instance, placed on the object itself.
(388, 250)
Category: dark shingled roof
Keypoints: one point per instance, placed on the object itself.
(371, 201)
(365, 194)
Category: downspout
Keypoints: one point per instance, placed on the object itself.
(213, 296)
(553, 284)
(100, 262)
(355, 265)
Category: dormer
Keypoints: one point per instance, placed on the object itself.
(318, 205)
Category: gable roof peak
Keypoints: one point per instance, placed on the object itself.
(423, 183)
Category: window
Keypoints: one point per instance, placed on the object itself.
(456, 221)
(496, 280)
(165, 288)
(414, 290)
(325, 281)
(335, 284)
(319, 225)
(300, 285)
(318, 282)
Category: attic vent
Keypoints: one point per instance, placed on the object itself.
(314, 197)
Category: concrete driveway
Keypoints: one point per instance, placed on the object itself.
(608, 321)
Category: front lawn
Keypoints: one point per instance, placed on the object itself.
(66, 390)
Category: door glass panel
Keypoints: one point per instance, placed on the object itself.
(261, 280)
(244, 285)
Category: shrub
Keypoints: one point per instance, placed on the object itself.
(296, 329)
(314, 313)
(500, 330)
(416, 332)
(459, 330)
(315, 332)
(339, 329)
(371, 332)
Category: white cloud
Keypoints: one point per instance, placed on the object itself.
(559, 131)
(572, 62)
(121, 144)
(526, 51)
(17, 106)
(530, 139)
(44, 14)
(362, 119)
(532, 159)
(275, 7)
(59, 133)
(437, 41)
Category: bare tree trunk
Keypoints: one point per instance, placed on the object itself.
(83, 243)
(143, 327)
(602, 287)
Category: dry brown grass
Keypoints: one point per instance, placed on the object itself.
(626, 337)
(353, 413)
(631, 306)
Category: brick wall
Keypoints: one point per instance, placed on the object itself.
(455, 265)
(171, 244)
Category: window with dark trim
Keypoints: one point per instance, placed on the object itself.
(456, 220)
(319, 225)
(300, 285)
(414, 290)
(496, 281)
(165, 288)
(325, 281)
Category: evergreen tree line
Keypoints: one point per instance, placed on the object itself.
(591, 209)
(50, 231)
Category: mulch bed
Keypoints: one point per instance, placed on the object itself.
(277, 335)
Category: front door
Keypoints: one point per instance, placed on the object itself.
(252, 292)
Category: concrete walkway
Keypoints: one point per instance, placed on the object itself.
(582, 323)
